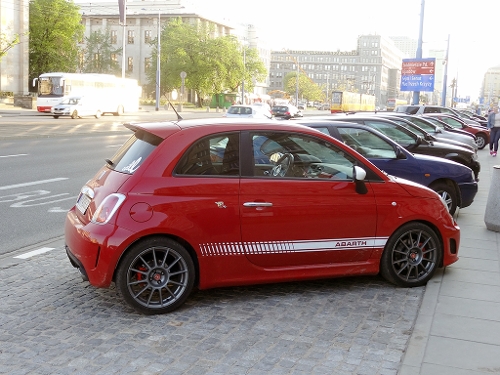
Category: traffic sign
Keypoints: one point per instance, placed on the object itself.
(422, 82)
(418, 74)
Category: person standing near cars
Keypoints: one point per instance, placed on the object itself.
(494, 126)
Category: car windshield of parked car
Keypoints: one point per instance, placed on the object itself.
(398, 134)
(133, 152)
(451, 121)
(367, 143)
(302, 155)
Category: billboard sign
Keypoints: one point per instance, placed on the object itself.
(418, 74)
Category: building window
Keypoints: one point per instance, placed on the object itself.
(147, 64)
(147, 36)
(131, 35)
(114, 57)
(130, 64)
(114, 37)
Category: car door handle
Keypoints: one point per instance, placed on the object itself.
(257, 204)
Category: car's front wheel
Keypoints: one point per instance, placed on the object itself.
(156, 276)
(481, 141)
(74, 114)
(447, 194)
(55, 116)
(411, 255)
(98, 114)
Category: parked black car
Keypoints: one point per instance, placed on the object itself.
(415, 143)
(454, 182)
(424, 109)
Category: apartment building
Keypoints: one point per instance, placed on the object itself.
(373, 67)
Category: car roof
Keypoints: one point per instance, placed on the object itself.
(163, 129)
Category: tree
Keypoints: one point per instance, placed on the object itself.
(6, 44)
(55, 31)
(213, 65)
(308, 89)
(98, 54)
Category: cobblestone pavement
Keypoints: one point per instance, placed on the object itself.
(51, 322)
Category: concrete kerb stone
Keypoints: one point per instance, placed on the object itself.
(492, 211)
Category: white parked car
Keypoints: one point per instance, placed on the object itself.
(250, 111)
(76, 106)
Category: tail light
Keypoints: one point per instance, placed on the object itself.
(107, 208)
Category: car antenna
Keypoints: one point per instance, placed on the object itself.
(179, 117)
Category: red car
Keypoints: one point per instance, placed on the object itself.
(223, 202)
(482, 133)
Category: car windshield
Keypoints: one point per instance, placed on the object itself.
(71, 101)
(239, 110)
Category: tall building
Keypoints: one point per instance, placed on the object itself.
(373, 67)
(406, 45)
(15, 64)
(490, 91)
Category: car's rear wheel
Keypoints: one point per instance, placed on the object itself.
(155, 276)
(74, 114)
(481, 141)
(447, 194)
(411, 255)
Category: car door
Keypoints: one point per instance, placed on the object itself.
(309, 214)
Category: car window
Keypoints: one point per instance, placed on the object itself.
(423, 124)
(451, 121)
(398, 134)
(368, 144)
(300, 156)
(217, 155)
(132, 153)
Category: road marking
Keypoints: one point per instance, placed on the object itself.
(34, 252)
(11, 156)
(7, 187)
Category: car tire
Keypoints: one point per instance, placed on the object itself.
(481, 141)
(448, 194)
(411, 255)
(74, 114)
(55, 116)
(98, 114)
(155, 276)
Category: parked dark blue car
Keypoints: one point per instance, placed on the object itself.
(454, 182)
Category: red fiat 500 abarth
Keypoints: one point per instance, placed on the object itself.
(224, 202)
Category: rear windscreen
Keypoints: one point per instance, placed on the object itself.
(132, 154)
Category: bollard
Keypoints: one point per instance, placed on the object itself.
(208, 109)
(224, 109)
(217, 109)
(492, 212)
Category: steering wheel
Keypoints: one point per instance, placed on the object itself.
(282, 166)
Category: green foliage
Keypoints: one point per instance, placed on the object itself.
(213, 65)
(308, 89)
(97, 54)
(55, 31)
(7, 43)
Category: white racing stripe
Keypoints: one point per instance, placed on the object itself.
(34, 252)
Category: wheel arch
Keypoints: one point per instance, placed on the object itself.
(181, 241)
(451, 183)
(430, 225)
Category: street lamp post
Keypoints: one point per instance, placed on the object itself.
(243, 80)
(157, 107)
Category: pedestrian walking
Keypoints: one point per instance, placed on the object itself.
(494, 126)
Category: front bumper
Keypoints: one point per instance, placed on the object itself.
(468, 192)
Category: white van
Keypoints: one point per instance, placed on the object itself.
(76, 106)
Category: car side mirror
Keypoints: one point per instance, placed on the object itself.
(400, 154)
(359, 175)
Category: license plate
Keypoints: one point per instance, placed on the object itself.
(83, 203)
